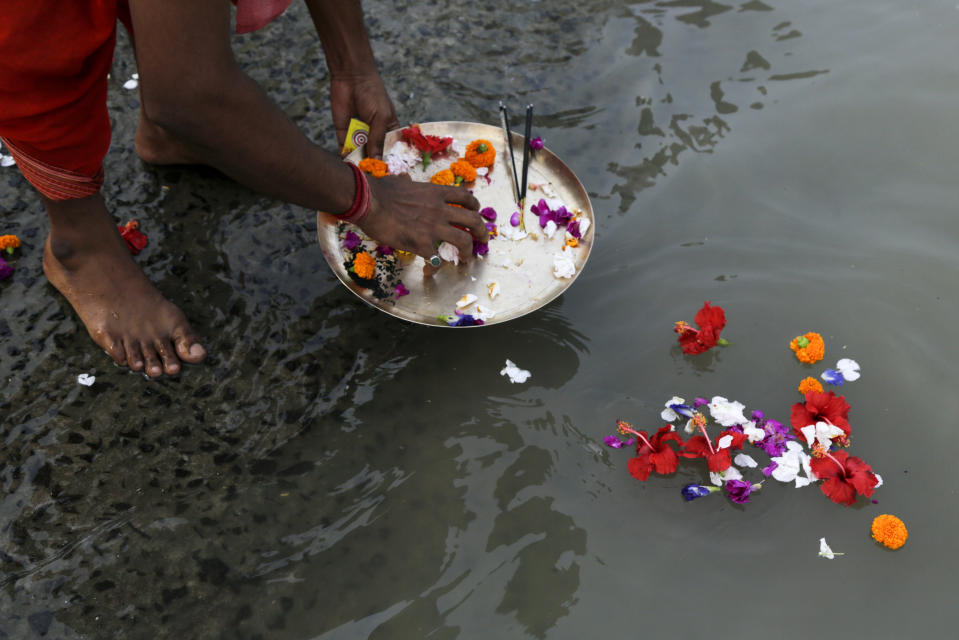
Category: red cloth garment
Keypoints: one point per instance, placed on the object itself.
(256, 14)
(54, 60)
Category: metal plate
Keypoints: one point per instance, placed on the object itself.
(522, 268)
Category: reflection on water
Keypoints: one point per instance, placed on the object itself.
(332, 472)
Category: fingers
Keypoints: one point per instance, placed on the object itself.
(462, 197)
(460, 239)
(374, 147)
(470, 220)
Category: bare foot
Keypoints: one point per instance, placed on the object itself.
(156, 145)
(87, 261)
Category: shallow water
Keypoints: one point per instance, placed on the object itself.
(333, 472)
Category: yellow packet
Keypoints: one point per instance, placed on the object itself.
(356, 136)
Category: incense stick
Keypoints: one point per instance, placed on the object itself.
(529, 129)
(504, 116)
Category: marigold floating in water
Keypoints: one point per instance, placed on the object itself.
(444, 177)
(480, 153)
(364, 265)
(809, 384)
(889, 530)
(374, 167)
(9, 242)
(808, 348)
(464, 171)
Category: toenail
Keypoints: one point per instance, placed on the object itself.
(197, 350)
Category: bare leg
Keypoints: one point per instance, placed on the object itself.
(155, 145)
(87, 261)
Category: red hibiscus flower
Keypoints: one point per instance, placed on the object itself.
(820, 407)
(131, 234)
(717, 459)
(653, 453)
(425, 143)
(845, 477)
(711, 321)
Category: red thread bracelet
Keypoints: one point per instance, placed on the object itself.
(361, 201)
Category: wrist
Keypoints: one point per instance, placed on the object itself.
(362, 198)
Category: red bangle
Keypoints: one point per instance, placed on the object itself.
(361, 201)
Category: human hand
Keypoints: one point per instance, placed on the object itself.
(364, 97)
(417, 217)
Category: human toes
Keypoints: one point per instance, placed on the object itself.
(171, 364)
(113, 348)
(134, 354)
(188, 346)
(153, 367)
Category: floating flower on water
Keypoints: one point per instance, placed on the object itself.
(536, 143)
(711, 321)
(769, 468)
(9, 243)
(464, 171)
(693, 491)
(845, 477)
(810, 384)
(777, 435)
(846, 371)
(820, 407)
(364, 265)
(444, 178)
(86, 379)
(726, 412)
(376, 168)
(480, 153)
(720, 478)
(745, 460)
(809, 348)
(676, 407)
(739, 490)
(131, 234)
(789, 465)
(616, 443)
(400, 290)
(825, 551)
(653, 453)
(717, 455)
(351, 241)
(5, 270)
(889, 531)
(514, 219)
(514, 373)
(821, 433)
(449, 252)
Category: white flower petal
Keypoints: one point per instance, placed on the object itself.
(514, 373)
(753, 433)
(493, 289)
(483, 313)
(725, 441)
(583, 225)
(744, 460)
(86, 379)
(130, 84)
(449, 252)
(690, 426)
(550, 229)
(848, 368)
(879, 478)
(135, 76)
(719, 479)
(465, 301)
(563, 265)
(824, 550)
(726, 412)
(7, 161)
(482, 171)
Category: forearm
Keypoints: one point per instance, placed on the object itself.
(339, 24)
(235, 127)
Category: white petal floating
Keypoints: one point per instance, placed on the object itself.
(849, 369)
(514, 373)
(825, 551)
(725, 441)
(744, 460)
(86, 379)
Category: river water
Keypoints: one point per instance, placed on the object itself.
(333, 472)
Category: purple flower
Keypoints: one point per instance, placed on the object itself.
(758, 416)
(693, 491)
(738, 491)
(833, 377)
(614, 442)
(491, 227)
(384, 249)
(351, 241)
(768, 470)
(480, 248)
(700, 402)
(573, 229)
(536, 143)
(680, 409)
(776, 438)
(465, 321)
(5, 270)
(401, 290)
(514, 219)
(489, 213)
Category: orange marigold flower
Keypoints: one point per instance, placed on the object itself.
(809, 384)
(444, 177)
(480, 153)
(9, 242)
(809, 348)
(364, 265)
(572, 242)
(890, 531)
(376, 168)
(463, 170)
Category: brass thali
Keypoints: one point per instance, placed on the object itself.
(522, 269)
